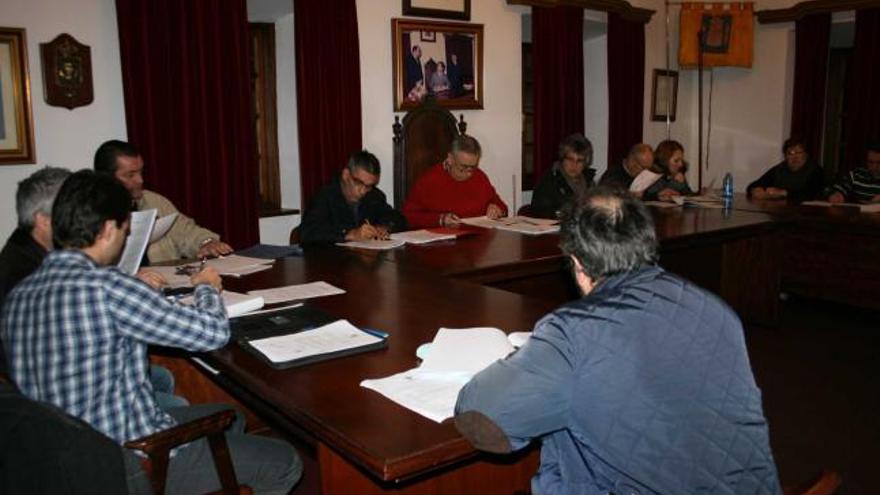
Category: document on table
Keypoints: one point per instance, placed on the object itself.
(374, 244)
(140, 226)
(297, 292)
(521, 224)
(454, 357)
(170, 274)
(163, 225)
(422, 236)
(334, 337)
(236, 303)
(236, 265)
(864, 208)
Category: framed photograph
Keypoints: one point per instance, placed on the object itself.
(16, 126)
(441, 60)
(441, 9)
(664, 95)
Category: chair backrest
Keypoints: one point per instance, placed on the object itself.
(423, 139)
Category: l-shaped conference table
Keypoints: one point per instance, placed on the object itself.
(367, 444)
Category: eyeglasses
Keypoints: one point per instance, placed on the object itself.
(795, 153)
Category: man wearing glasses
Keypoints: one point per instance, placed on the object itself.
(351, 207)
(454, 189)
(797, 177)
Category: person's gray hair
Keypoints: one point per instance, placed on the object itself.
(465, 143)
(638, 149)
(37, 193)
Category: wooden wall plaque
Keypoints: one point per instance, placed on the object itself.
(67, 72)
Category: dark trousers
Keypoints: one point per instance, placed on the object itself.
(267, 465)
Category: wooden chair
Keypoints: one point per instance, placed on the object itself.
(826, 484)
(17, 409)
(422, 140)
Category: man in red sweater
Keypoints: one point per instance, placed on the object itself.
(452, 190)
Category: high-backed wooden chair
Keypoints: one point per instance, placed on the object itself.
(423, 139)
(28, 423)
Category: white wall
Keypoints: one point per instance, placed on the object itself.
(751, 108)
(596, 100)
(66, 138)
(497, 127)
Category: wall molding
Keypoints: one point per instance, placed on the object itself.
(801, 9)
(621, 7)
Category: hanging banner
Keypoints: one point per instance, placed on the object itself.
(728, 34)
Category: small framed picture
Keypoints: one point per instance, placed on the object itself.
(664, 95)
(442, 60)
(16, 122)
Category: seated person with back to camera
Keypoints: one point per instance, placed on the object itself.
(454, 189)
(569, 178)
(350, 207)
(643, 385)
(797, 177)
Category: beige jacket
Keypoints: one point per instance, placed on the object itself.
(185, 236)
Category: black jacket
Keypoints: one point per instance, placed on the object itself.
(20, 257)
(553, 191)
(805, 184)
(330, 217)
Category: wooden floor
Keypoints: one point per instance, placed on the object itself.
(818, 371)
(819, 376)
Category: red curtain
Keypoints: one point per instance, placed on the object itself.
(186, 78)
(558, 64)
(862, 123)
(328, 89)
(812, 38)
(626, 86)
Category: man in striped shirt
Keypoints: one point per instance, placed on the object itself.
(77, 330)
(861, 185)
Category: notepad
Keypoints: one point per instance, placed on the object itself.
(331, 340)
(297, 292)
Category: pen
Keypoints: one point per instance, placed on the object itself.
(376, 333)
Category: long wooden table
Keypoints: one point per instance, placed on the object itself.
(365, 443)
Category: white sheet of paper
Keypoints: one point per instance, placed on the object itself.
(643, 181)
(484, 222)
(236, 303)
(864, 208)
(336, 336)
(140, 226)
(528, 228)
(432, 395)
(297, 292)
(375, 244)
(422, 236)
(466, 350)
(163, 225)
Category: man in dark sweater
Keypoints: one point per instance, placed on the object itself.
(640, 157)
(797, 177)
(351, 207)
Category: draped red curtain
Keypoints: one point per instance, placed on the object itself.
(186, 79)
(812, 39)
(862, 122)
(558, 80)
(328, 89)
(626, 86)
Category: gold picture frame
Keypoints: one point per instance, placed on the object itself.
(440, 60)
(16, 125)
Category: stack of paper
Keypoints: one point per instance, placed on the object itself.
(374, 244)
(422, 236)
(454, 357)
(235, 265)
(330, 339)
(521, 224)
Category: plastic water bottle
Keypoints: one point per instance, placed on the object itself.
(727, 186)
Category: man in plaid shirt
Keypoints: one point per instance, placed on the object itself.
(77, 331)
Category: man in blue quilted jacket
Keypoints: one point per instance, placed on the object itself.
(642, 386)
